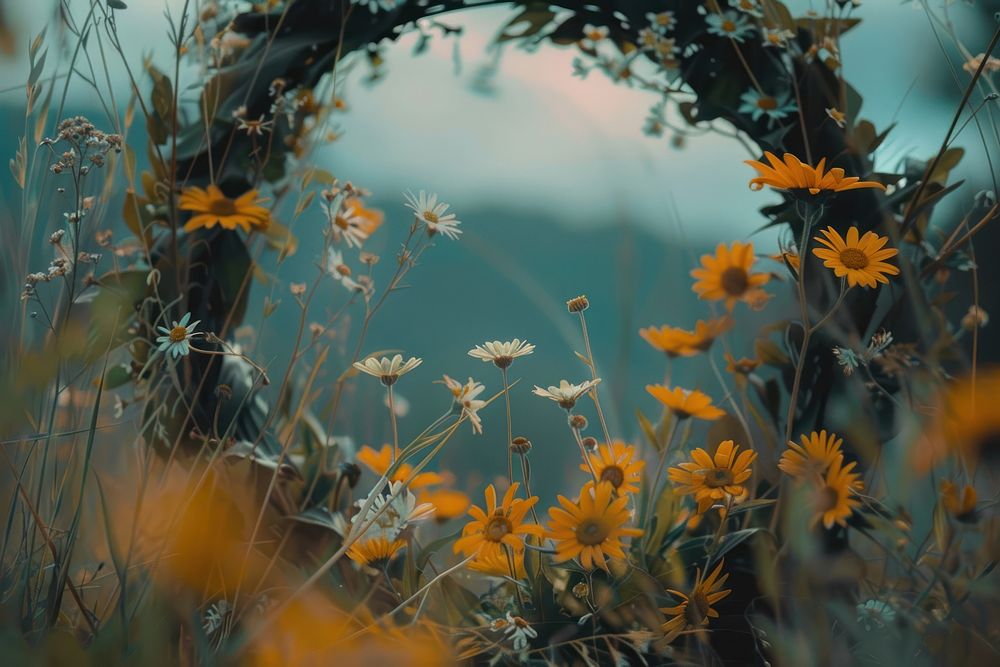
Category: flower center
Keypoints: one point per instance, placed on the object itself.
(222, 206)
(502, 361)
(341, 222)
(767, 103)
(718, 477)
(853, 258)
(735, 281)
(696, 610)
(497, 527)
(177, 334)
(728, 26)
(591, 532)
(431, 216)
(613, 474)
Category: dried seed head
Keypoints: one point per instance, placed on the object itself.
(520, 445)
(975, 318)
(578, 304)
(581, 590)
(590, 444)
(351, 472)
(577, 422)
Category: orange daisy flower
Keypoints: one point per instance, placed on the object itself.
(813, 457)
(684, 403)
(713, 479)
(591, 529)
(727, 275)
(380, 461)
(860, 260)
(962, 507)
(448, 503)
(211, 207)
(798, 178)
(834, 498)
(614, 464)
(498, 526)
(696, 607)
(677, 342)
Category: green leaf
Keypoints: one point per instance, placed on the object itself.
(117, 4)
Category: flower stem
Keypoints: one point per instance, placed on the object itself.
(510, 428)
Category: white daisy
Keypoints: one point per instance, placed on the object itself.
(345, 222)
(566, 394)
(465, 399)
(751, 7)
(778, 37)
(502, 354)
(175, 341)
(593, 35)
(757, 104)
(729, 24)
(517, 630)
(661, 22)
(341, 272)
(398, 514)
(387, 370)
(431, 212)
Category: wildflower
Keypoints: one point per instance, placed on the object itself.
(777, 37)
(375, 552)
(813, 457)
(566, 394)
(965, 423)
(518, 631)
(392, 512)
(677, 342)
(448, 503)
(833, 499)
(366, 220)
(502, 354)
(577, 422)
(860, 260)
(429, 211)
(380, 461)
(339, 270)
(799, 178)
(176, 340)
(592, 36)
(661, 22)
(212, 207)
(255, 127)
(685, 403)
(520, 445)
(975, 318)
(838, 117)
(387, 370)
(578, 304)
(616, 464)
(758, 104)
(727, 275)
(729, 24)
(500, 564)
(741, 366)
(465, 399)
(875, 614)
(751, 7)
(297, 289)
(962, 507)
(696, 607)
(710, 479)
(498, 526)
(591, 529)
(972, 64)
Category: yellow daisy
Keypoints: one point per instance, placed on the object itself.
(375, 552)
(380, 461)
(498, 526)
(813, 457)
(696, 607)
(860, 260)
(448, 503)
(834, 500)
(965, 422)
(498, 564)
(591, 529)
(713, 479)
(211, 207)
(615, 464)
(798, 178)
(727, 275)
(685, 403)
(962, 507)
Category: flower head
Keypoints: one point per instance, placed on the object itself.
(502, 354)
(833, 494)
(617, 465)
(685, 403)
(386, 369)
(678, 342)
(176, 339)
(798, 178)
(591, 529)
(727, 275)
(859, 259)
(713, 478)
(960, 503)
(566, 394)
(735, 26)
(432, 213)
(498, 526)
(813, 457)
(465, 399)
(773, 107)
(211, 207)
(696, 607)
(380, 461)
(448, 503)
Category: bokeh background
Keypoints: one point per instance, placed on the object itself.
(560, 193)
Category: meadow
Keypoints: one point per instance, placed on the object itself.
(236, 427)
